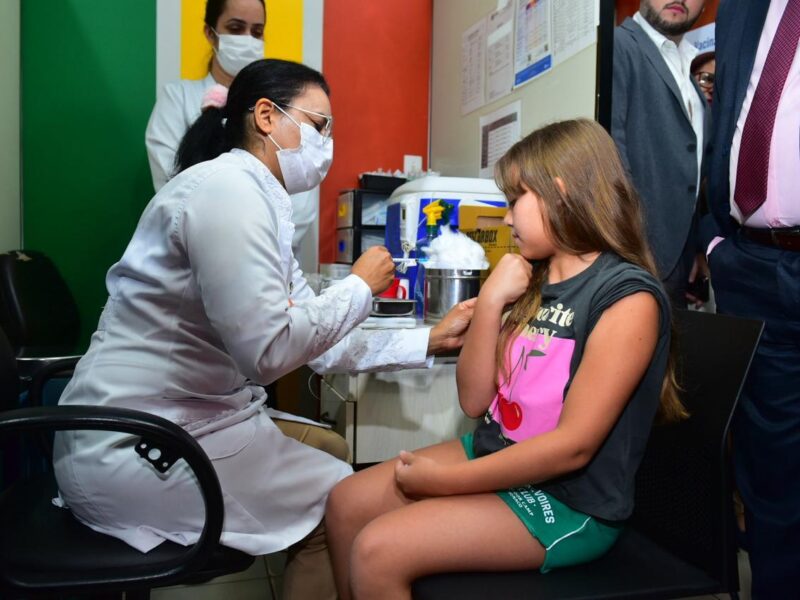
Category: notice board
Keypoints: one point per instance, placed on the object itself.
(543, 90)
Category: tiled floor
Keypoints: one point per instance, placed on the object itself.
(262, 581)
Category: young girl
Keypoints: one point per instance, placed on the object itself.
(566, 359)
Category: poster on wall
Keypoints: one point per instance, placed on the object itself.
(500, 53)
(533, 50)
(574, 27)
(499, 131)
(703, 38)
(473, 67)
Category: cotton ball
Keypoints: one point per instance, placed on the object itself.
(454, 250)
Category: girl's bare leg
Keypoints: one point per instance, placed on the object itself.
(362, 497)
(452, 533)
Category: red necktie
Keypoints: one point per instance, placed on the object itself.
(751, 169)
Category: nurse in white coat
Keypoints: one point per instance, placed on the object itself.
(206, 305)
(235, 31)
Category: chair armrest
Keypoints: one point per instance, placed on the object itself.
(48, 371)
(159, 433)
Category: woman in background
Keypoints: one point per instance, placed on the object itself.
(235, 31)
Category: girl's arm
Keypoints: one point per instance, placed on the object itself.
(476, 370)
(617, 354)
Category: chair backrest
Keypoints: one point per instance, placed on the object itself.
(9, 378)
(36, 307)
(683, 486)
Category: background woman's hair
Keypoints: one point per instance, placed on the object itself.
(598, 211)
(214, 8)
(218, 130)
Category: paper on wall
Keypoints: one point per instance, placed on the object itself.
(573, 27)
(532, 48)
(500, 52)
(499, 131)
(473, 67)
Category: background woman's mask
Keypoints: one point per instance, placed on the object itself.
(235, 52)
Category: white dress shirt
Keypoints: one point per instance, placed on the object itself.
(679, 59)
(206, 299)
(781, 207)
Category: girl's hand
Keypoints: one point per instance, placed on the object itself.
(418, 476)
(509, 280)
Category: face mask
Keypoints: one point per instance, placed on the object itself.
(303, 168)
(235, 52)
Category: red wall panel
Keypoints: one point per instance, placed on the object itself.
(376, 57)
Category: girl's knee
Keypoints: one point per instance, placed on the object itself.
(373, 560)
(342, 505)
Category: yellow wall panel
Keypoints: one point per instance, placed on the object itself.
(283, 35)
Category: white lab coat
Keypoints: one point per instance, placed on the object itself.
(207, 299)
(177, 108)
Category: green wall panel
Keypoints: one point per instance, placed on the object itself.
(88, 85)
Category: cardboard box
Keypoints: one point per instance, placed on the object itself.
(484, 224)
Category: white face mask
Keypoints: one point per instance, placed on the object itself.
(235, 52)
(303, 168)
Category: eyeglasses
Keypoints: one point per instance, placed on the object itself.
(325, 129)
(705, 79)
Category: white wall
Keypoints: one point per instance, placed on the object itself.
(566, 92)
(9, 126)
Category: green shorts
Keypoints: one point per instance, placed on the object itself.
(569, 537)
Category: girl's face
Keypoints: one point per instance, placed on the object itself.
(527, 221)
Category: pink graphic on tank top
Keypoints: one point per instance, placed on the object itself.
(530, 402)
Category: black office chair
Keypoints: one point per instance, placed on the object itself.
(45, 550)
(681, 538)
(9, 379)
(37, 310)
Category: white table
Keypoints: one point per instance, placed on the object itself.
(380, 414)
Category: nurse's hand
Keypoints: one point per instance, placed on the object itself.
(376, 268)
(448, 334)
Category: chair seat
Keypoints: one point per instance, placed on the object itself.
(633, 565)
(38, 535)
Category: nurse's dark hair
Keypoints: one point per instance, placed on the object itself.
(214, 9)
(219, 130)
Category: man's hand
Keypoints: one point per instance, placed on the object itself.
(698, 280)
(448, 334)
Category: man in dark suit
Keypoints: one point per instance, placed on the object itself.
(754, 198)
(658, 123)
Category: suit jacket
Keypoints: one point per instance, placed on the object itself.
(738, 30)
(650, 125)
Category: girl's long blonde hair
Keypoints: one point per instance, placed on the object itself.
(596, 211)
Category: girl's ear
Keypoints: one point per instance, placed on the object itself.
(560, 185)
(264, 116)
